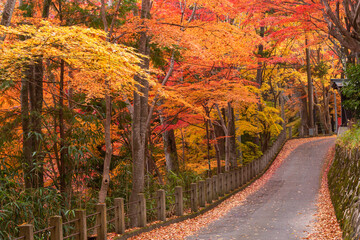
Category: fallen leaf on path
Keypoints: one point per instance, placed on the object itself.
(191, 226)
(326, 226)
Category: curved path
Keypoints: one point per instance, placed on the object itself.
(284, 207)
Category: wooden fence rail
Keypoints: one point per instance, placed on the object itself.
(201, 193)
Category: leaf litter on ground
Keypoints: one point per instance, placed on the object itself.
(325, 226)
(191, 226)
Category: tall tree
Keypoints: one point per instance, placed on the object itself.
(7, 14)
(344, 22)
(310, 85)
(170, 150)
(140, 117)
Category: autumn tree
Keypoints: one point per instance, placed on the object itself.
(66, 47)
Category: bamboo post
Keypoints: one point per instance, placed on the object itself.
(260, 165)
(226, 182)
(80, 224)
(208, 190)
(229, 184)
(194, 197)
(142, 208)
(57, 228)
(161, 205)
(119, 215)
(243, 175)
(101, 220)
(255, 168)
(234, 180)
(290, 132)
(26, 231)
(221, 184)
(202, 193)
(251, 169)
(215, 187)
(179, 201)
(266, 159)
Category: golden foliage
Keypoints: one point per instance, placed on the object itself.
(85, 50)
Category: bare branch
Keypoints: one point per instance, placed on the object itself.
(168, 74)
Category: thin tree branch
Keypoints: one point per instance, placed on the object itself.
(168, 74)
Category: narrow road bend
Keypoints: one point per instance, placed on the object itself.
(284, 207)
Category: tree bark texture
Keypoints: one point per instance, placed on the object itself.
(65, 170)
(106, 169)
(216, 146)
(344, 28)
(108, 108)
(232, 136)
(219, 133)
(282, 106)
(259, 71)
(170, 150)
(172, 163)
(26, 147)
(310, 86)
(31, 110)
(7, 15)
(139, 124)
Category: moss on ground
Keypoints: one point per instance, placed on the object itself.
(344, 185)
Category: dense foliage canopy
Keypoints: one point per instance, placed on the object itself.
(104, 99)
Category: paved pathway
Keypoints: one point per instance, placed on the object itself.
(284, 207)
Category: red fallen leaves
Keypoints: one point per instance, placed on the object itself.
(326, 226)
(191, 226)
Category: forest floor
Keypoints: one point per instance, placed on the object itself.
(282, 204)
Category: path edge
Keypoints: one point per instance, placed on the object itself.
(202, 211)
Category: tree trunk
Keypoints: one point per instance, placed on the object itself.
(65, 167)
(170, 150)
(183, 145)
(310, 86)
(7, 14)
(31, 111)
(232, 136)
(106, 169)
(140, 115)
(26, 147)
(303, 114)
(219, 133)
(36, 100)
(172, 161)
(282, 106)
(208, 145)
(216, 146)
(259, 71)
(227, 140)
(327, 112)
(107, 122)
